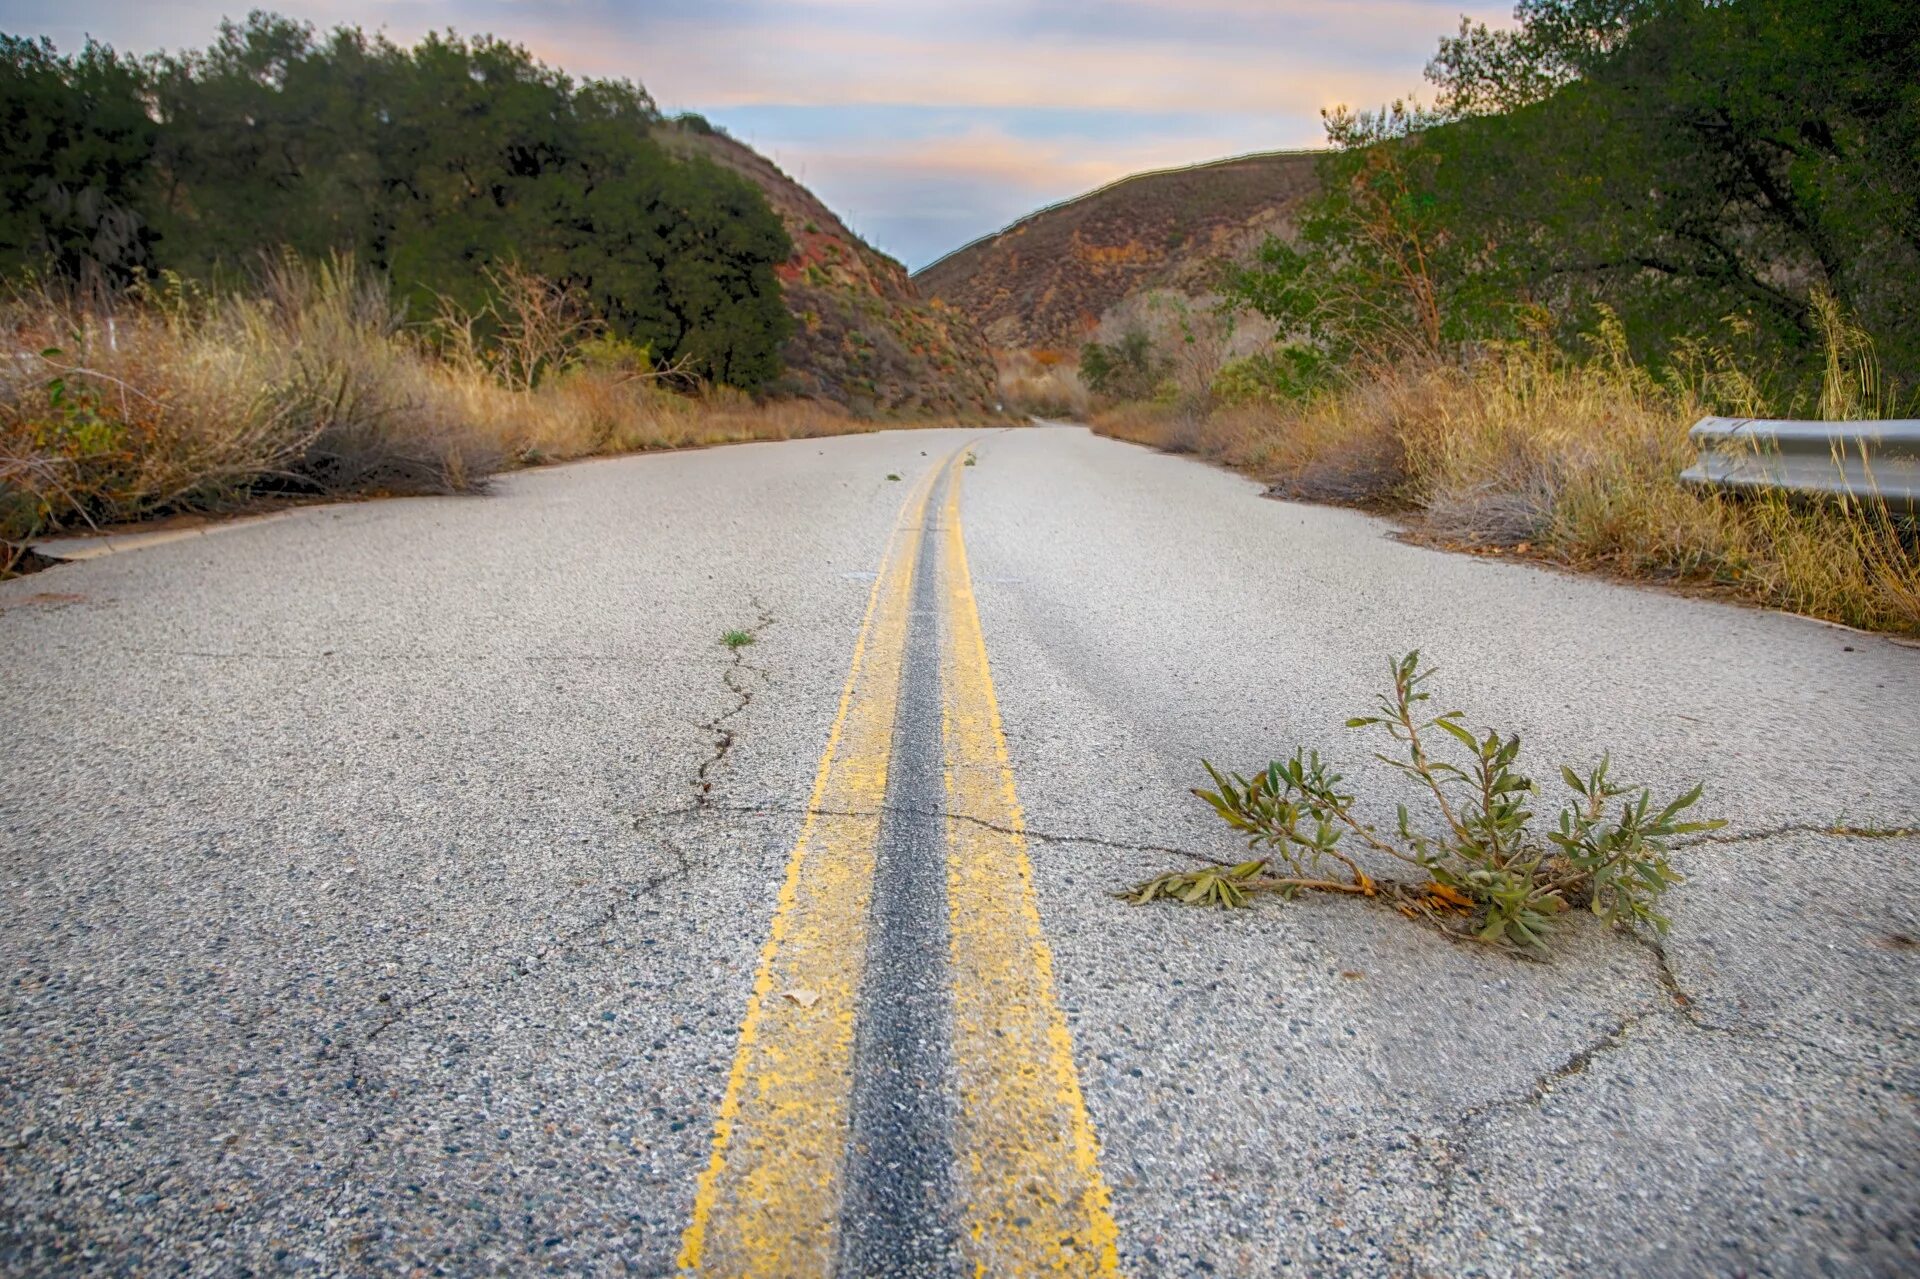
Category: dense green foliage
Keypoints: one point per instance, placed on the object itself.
(431, 163)
(79, 145)
(1704, 169)
(1126, 369)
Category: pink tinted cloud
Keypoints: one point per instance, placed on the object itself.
(1285, 56)
(805, 63)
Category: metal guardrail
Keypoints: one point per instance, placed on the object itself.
(1864, 460)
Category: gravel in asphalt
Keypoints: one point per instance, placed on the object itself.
(367, 909)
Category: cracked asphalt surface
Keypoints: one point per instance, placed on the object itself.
(384, 883)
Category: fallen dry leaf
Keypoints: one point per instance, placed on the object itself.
(1442, 895)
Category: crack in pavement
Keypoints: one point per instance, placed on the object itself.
(1836, 829)
(539, 960)
(361, 1071)
(1451, 1158)
(1451, 1150)
(715, 808)
(682, 865)
(707, 805)
(1450, 1153)
(732, 676)
(399, 1012)
(345, 1183)
(1683, 1003)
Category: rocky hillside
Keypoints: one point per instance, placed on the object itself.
(864, 335)
(1046, 281)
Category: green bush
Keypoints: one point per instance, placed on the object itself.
(1682, 162)
(1284, 375)
(1123, 370)
(440, 165)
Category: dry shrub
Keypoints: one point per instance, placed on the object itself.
(1043, 383)
(1137, 422)
(1353, 457)
(172, 400)
(1577, 462)
(588, 412)
(326, 345)
(126, 413)
(176, 401)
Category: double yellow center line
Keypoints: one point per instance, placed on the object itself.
(1028, 1194)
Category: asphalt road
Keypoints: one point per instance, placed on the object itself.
(386, 888)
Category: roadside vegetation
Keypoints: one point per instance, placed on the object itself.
(312, 382)
(297, 264)
(1535, 451)
(1500, 315)
(1041, 382)
(426, 164)
(1484, 871)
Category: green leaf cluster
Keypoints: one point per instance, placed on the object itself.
(1223, 886)
(1608, 852)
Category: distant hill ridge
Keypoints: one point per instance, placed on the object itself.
(864, 334)
(1047, 279)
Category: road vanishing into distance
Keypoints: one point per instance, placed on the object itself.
(422, 887)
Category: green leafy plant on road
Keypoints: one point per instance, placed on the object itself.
(737, 638)
(1488, 873)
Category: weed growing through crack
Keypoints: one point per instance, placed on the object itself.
(737, 639)
(971, 461)
(1488, 875)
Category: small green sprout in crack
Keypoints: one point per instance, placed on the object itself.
(971, 461)
(1485, 873)
(892, 476)
(737, 639)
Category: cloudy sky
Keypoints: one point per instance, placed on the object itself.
(924, 124)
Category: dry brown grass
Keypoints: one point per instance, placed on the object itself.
(1573, 462)
(176, 401)
(589, 413)
(1045, 383)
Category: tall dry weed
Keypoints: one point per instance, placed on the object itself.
(1041, 383)
(172, 399)
(1578, 461)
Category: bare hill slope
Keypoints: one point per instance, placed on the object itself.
(1046, 280)
(864, 335)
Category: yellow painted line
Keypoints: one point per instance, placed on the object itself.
(769, 1201)
(1034, 1201)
